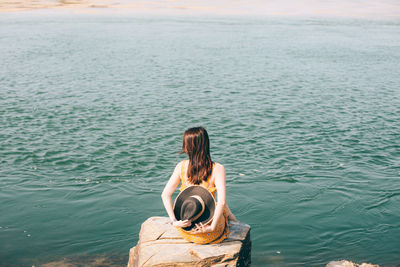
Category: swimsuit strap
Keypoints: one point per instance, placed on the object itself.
(206, 183)
(183, 184)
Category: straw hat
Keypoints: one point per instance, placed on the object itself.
(196, 204)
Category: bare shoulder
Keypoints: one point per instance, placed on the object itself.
(180, 163)
(178, 166)
(219, 168)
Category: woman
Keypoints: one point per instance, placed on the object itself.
(199, 170)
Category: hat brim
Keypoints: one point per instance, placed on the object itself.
(209, 204)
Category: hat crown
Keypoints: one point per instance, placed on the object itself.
(192, 208)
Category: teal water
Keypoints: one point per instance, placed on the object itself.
(303, 113)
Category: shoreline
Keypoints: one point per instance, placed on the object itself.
(225, 8)
(25, 5)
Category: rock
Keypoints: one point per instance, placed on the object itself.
(344, 263)
(161, 245)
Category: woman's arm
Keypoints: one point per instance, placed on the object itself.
(220, 183)
(166, 195)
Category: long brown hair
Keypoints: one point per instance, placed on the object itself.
(196, 145)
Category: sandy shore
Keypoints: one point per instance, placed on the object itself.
(23, 5)
(339, 8)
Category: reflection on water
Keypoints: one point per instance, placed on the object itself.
(84, 260)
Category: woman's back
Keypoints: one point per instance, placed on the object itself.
(209, 183)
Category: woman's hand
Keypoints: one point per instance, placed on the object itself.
(181, 224)
(201, 228)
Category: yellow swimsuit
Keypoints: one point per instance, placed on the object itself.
(222, 229)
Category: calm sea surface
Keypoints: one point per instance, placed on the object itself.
(303, 113)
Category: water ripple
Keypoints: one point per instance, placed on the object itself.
(302, 113)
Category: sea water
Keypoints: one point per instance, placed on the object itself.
(304, 113)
